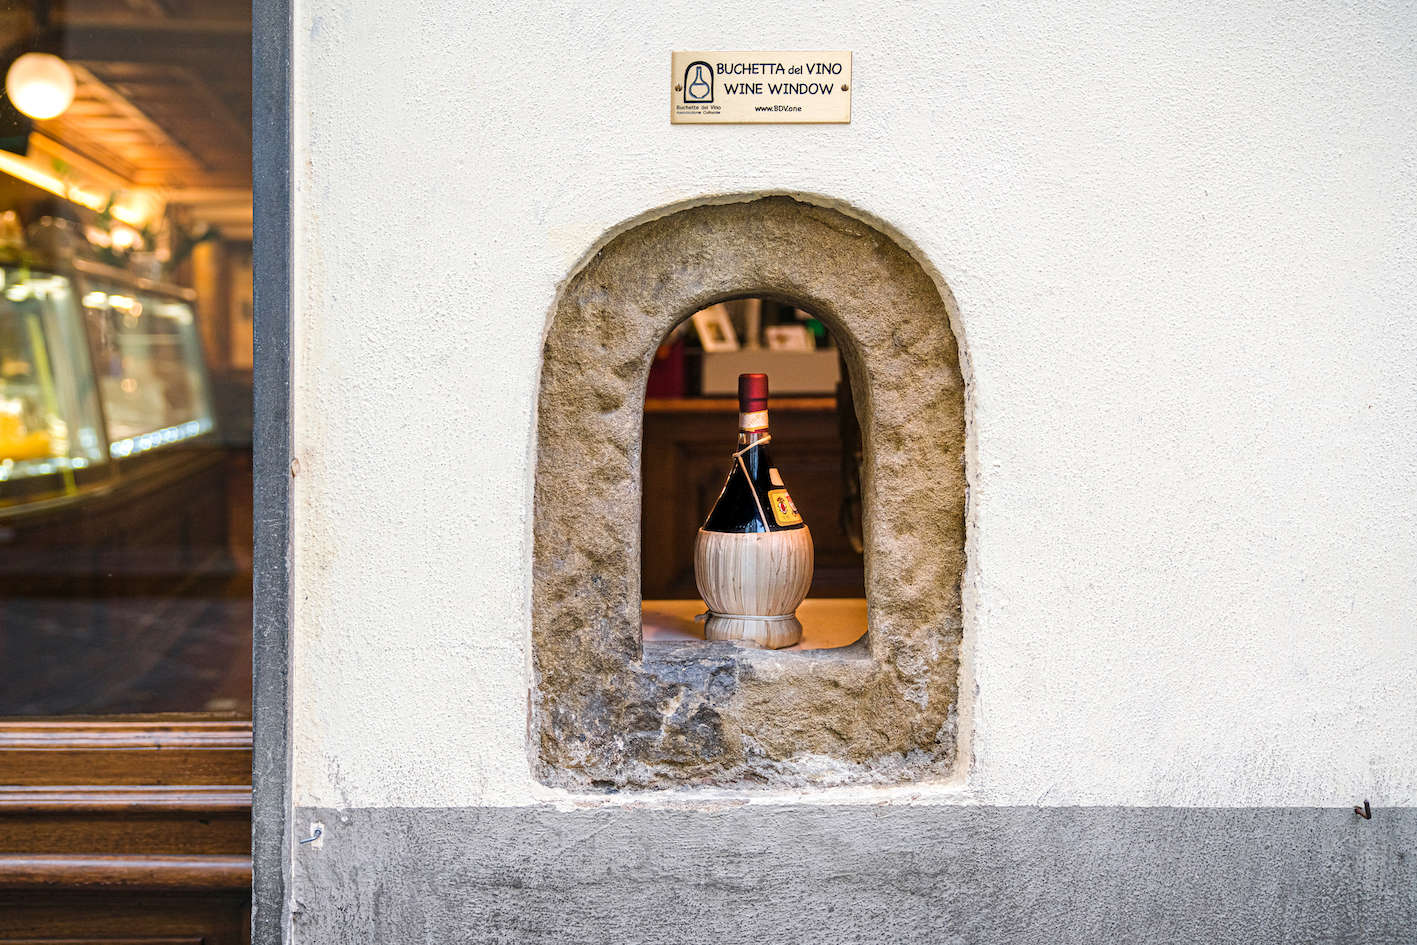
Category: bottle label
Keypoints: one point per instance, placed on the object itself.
(783, 508)
(757, 420)
(774, 476)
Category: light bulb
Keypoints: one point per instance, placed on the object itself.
(124, 237)
(40, 85)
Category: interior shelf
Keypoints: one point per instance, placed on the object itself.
(827, 622)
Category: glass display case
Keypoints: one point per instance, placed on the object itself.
(148, 359)
(95, 367)
(51, 424)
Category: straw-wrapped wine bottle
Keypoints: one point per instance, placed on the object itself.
(753, 557)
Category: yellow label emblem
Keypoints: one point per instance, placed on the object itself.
(783, 508)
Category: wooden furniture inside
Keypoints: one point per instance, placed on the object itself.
(134, 598)
(688, 445)
(130, 830)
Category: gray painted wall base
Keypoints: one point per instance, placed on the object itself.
(858, 874)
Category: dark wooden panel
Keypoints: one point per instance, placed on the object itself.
(128, 871)
(134, 819)
(132, 917)
(135, 799)
(685, 459)
(145, 940)
(125, 751)
(125, 830)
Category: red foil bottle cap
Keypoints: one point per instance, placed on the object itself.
(752, 392)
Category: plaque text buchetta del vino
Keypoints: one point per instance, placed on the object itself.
(782, 87)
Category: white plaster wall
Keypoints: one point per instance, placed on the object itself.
(1182, 244)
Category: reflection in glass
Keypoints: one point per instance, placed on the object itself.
(150, 370)
(124, 518)
(125, 362)
(49, 415)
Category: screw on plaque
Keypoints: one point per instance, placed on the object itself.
(1365, 811)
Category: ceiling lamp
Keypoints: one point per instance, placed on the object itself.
(40, 85)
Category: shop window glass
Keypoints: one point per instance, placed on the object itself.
(125, 359)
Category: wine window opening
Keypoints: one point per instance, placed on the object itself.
(810, 355)
(751, 500)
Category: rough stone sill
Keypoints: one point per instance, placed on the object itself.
(676, 655)
(828, 623)
(834, 635)
(952, 791)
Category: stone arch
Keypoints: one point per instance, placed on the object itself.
(609, 713)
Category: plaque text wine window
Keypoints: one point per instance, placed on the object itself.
(609, 712)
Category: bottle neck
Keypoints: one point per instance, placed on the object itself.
(752, 427)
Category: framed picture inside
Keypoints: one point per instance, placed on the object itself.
(789, 338)
(715, 329)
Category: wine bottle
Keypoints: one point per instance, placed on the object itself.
(753, 557)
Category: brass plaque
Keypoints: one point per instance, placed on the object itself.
(748, 88)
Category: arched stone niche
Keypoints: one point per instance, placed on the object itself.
(607, 712)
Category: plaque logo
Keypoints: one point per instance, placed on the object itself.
(698, 83)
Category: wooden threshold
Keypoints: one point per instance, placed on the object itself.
(162, 750)
(142, 871)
